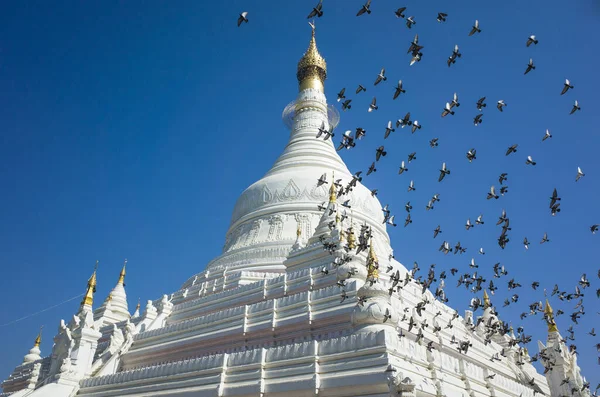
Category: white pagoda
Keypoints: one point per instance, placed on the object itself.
(276, 314)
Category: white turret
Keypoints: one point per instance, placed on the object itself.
(114, 309)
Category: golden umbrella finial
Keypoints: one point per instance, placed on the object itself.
(38, 339)
(486, 300)
(312, 68)
(122, 274)
(91, 288)
(332, 190)
(550, 317)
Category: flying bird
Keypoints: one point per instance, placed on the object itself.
(492, 193)
(400, 12)
(580, 174)
(441, 17)
(410, 22)
(404, 121)
(399, 89)
(530, 66)
(346, 104)
(454, 101)
(373, 105)
(575, 107)
(478, 119)
(447, 110)
(341, 95)
(512, 149)
(443, 172)
(480, 104)
(411, 186)
(360, 88)
(531, 40)
(415, 126)
(415, 58)
(500, 105)
(402, 168)
(437, 231)
(242, 18)
(412, 156)
(475, 28)
(380, 77)
(415, 48)
(379, 153)
(566, 87)
(434, 142)
(455, 54)
(388, 129)
(530, 161)
(316, 11)
(471, 155)
(545, 239)
(547, 135)
(365, 8)
(371, 168)
(594, 228)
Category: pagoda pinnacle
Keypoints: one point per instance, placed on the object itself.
(486, 300)
(549, 313)
(372, 263)
(38, 339)
(88, 300)
(312, 68)
(122, 274)
(332, 190)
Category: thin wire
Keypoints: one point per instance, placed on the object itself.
(41, 311)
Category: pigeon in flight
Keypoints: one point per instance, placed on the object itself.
(547, 135)
(400, 12)
(500, 105)
(346, 104)
(407, 220)
(545, 239)
(373, 105)
(410, 21)
(380, 77)
(322, 180)
(530, 161)
(341, 95)
(503, 177)
(475, 28)
(441, 17)
(360, 88)
(327, 132)
(471, 155)
(455, 54)
(478, 119)
(411, 186)
(433, 142)
(512, 149)
(526, 243)
(399, 89)
(360, 133)
(415, 126)
(388, 129)
(594, 228)
(415, 58)
(404, 121)
(415, 48)
(447, 110)
(316, 11)
(454, 101)
(530, 66)
(579, 174)
(566, 87)
(437, 231)
(380, 152)
(575, 107)
(480, 104)
(365, 8)
(371, 168)
(443, 172)
(402, 168)
(531, 40)
(492, 193)
(242, 18)
(412, 156)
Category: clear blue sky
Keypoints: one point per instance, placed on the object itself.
(129, 131)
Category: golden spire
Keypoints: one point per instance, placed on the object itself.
(332, 190)
(138, 305)
(312, 68)
(372, 263)
(38, 339)
(122, 274)
(550, 317)
(486, 300)
(91, 288)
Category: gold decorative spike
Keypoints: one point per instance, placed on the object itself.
(312, 68)
(122, 274)
(372, 263)
(38, 339)
(351, 238)
(486, 300)
(550, 317)
(298, 231)
(138, 305)
(88, 299)
(332, 190)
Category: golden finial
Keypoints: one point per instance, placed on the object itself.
(91, 288)
(550, 317)
(332, 190)
(122, 274)
(38, 339)
(312, 68)
(372, 263)
(138, 305)
(486, 300)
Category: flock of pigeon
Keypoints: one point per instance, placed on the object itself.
(472, 281)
